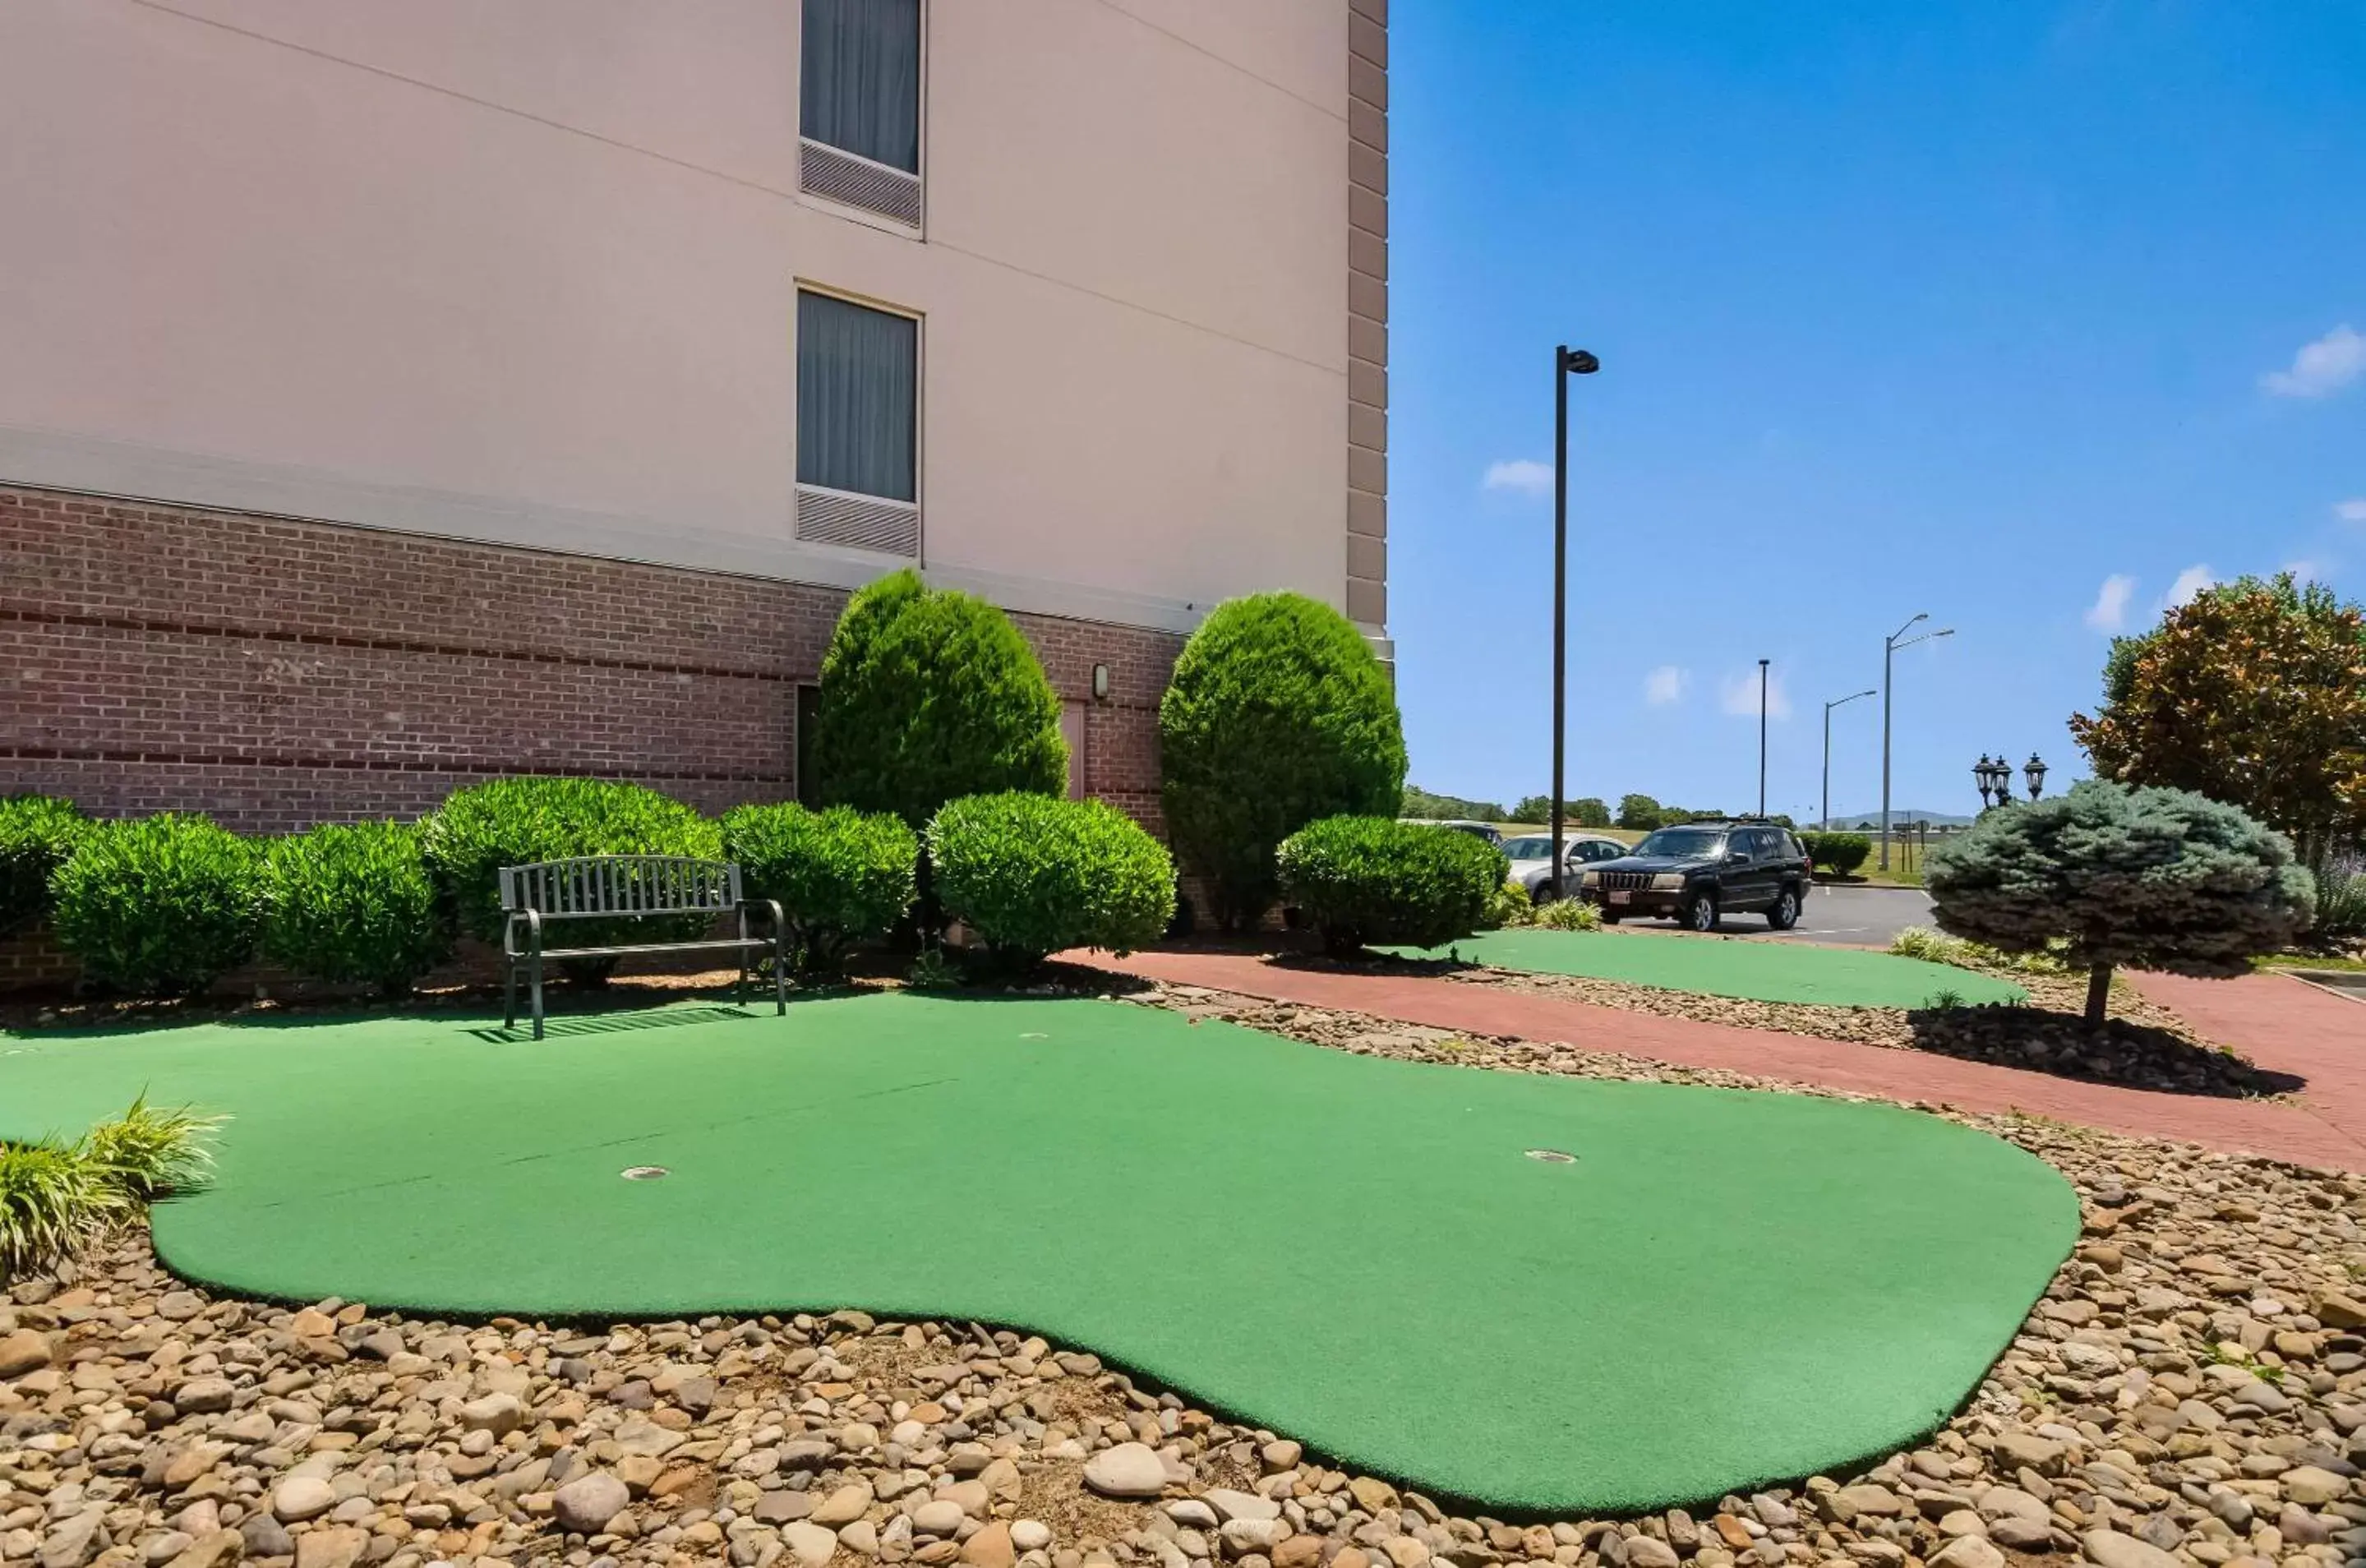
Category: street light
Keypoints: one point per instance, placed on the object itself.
(1826, 820)
(1567, 362)
(1891, 644)
(2035, 772)
(1762, 737)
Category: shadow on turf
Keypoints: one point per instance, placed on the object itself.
(567, 1026)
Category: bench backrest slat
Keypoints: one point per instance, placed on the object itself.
(620, 885)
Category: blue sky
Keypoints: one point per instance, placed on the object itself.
(2025, 316)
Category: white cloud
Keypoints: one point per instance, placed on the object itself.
(1525, 475)
(2108, 613)
(2329, 364)
(2189, 581)
(1738, 696)
(2351, 511)
(1666, 684)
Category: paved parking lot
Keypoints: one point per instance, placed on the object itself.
(1852, 917)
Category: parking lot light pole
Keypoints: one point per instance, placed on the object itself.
(1762, 737)
(1567, 362)
(1889, 646)
(1825, 821)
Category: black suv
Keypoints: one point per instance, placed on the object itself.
(1695, 873)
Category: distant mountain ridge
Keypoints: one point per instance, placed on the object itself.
(1847, 820)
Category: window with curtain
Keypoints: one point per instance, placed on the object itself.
(858, 399)
(862, 79)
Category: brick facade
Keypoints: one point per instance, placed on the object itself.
(276, 673)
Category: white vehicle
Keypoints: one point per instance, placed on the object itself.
(1531, 858)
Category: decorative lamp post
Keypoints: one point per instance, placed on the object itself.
(1567, 362)
(2035, 772)
(1981, 771)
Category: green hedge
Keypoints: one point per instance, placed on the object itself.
(159, 905)
(927, 695)
(1032, 875)
(485, 827)
(352, 903)
(37, 833)
(1375, 881)
(1278, 713)
(1839, 853)
(840, 875)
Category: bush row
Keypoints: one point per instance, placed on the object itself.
(1837, 853)
(165, 905)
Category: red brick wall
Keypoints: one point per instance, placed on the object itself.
(277, 673)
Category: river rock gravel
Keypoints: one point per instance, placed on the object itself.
(2190, 1390)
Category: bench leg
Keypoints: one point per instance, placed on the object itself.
(509, 991)
(779, 975)
(537, 991)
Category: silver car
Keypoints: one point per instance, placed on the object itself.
(1531, 857)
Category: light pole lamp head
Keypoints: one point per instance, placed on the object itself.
(1980, 776)
(1579, 362)
(2035, 772)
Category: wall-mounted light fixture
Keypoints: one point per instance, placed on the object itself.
(1100, 683)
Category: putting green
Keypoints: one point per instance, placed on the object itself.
(1757, 971)
(1723, 1288)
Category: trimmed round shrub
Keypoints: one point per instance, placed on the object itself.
(158, 906)
(928, 695)
(1839, 853)
(485, 827)
(1366, 880)
(840, 874)
(352, 903)
(1032, 874)
(37, 833)
(1280, 714)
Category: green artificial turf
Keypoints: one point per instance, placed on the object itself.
(1758, 970)
(1724, 1289)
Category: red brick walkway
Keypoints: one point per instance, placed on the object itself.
(2278, 1022)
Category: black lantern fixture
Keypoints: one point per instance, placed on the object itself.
(2035, 772)
(1980, 772)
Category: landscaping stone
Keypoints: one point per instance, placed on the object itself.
(585, 1504)
(1129, 1470)
(23, 1351)
(2188, 1392)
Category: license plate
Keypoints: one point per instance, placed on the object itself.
(1621, 897)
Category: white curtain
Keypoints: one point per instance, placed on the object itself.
(858, 383)
(862, 79)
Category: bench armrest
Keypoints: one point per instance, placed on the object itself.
(533, 918)
(771, 907)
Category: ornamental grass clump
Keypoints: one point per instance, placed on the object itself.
(56, 1197)
(840, 875)
(1032, 875)
(158, 906)
(352, 903)
(1372, 881)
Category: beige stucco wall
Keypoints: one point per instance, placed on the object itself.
(527, 271)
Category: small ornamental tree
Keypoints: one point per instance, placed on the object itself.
(2253, 692)
(928, 695)
(2162, 878)
(1278, 713)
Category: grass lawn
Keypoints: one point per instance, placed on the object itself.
(1758, 970)
(1722, 1288)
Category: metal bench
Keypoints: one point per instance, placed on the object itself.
(613, 887)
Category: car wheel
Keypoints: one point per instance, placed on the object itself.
(1783, 913)
(1700, 912)
(1541, 894)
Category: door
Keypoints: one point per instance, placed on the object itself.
(1751, 885)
